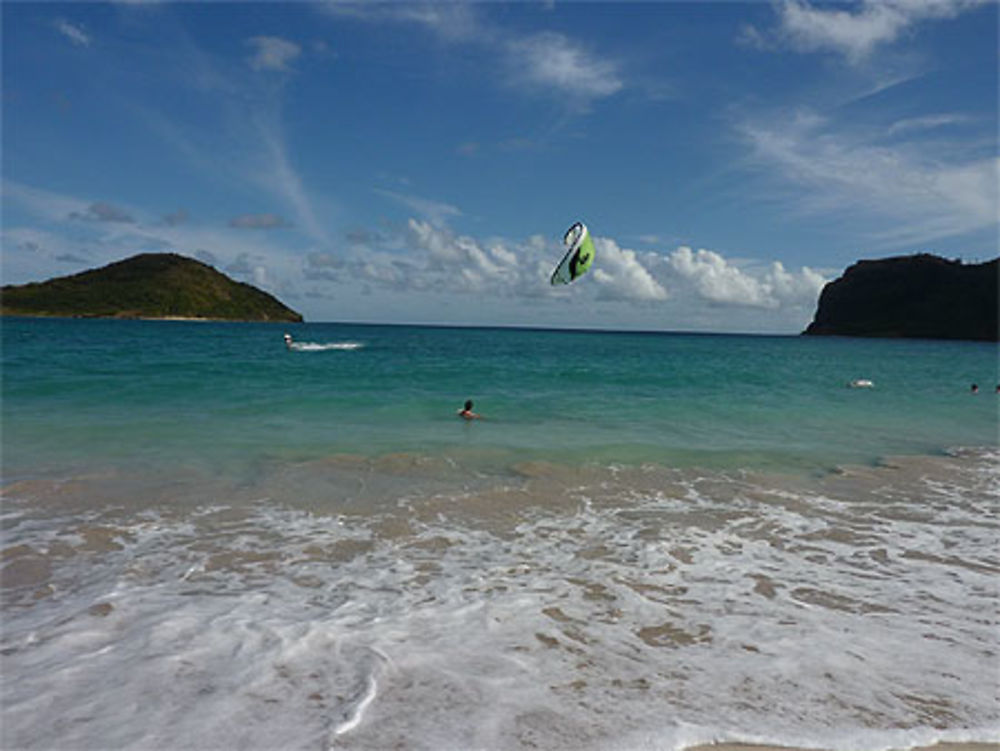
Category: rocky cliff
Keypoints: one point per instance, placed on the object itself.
(911, 296)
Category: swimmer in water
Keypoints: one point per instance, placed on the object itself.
(288, 341)
(467, 413)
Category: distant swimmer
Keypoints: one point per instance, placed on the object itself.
(975, 388)
(467, 412)
(288, 341)
(861, 383)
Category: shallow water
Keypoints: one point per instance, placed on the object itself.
(212, 542)
(78, 393)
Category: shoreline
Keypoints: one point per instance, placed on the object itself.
(81, 317)
(943, 746)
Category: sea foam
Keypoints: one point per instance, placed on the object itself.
(633, 608)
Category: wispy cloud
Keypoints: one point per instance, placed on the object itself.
(272, 53)
(914, 194)
(927, 122)
(74, 32)
(550, 61)
(436, 212)
(451, 21)
(176, 218)
(281, 177)
(854, 32)
(249, 112)
(72, 259)
(42, 204)
(259, 221)
(102, 211)
(54, 236)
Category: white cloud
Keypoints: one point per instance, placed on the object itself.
(433, 258)
(281, 177)
(622, 276)
(857, 31)
(542, 62)
(548, 60)
(272, 53)
(442, 261)
(503, 269)
(436, 212)
(502, 255)
(462, 258)
(801, 289)
(74, 32)
(454, 21)
(927, 122)
(451, 21)
(908, 186)
(719, 281)
(716, 280)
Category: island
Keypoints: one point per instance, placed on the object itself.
(917, 296)
(149, 285)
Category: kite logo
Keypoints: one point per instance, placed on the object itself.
(579, 255)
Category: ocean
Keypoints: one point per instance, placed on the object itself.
(651, 540)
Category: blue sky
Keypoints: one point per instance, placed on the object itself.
(420, 162)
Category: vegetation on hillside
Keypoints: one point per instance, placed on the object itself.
(150, 285)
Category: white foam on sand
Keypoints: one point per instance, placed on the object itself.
(719, 608)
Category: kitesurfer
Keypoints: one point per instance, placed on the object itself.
(467, 413)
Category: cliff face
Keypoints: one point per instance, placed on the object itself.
(151, 285)
(911, 296)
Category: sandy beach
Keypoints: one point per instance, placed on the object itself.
(936, 747)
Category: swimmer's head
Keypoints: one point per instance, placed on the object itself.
(468, 404)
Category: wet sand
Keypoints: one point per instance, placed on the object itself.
(936, 747)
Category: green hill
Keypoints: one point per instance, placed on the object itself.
(150, 285)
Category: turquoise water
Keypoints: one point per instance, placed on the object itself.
(86, 391)
(208, 540)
